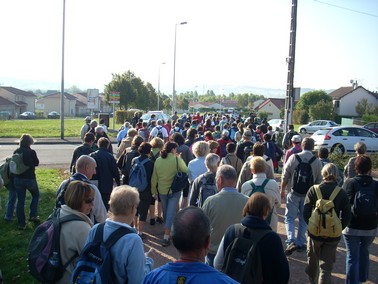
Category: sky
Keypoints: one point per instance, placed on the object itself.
(224, 46)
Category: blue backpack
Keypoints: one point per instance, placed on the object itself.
(95, 262)
(138, 175)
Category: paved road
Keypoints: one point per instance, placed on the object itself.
(57, 154)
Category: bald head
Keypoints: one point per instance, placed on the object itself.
(86, 165)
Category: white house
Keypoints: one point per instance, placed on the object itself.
(272, 107)
(16, 101)
(345, 99)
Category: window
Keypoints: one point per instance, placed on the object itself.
(337, 104)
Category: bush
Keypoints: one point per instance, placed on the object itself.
(341, 160)
(369, 118)
(300, 116)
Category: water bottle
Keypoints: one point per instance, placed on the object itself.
(54, 259)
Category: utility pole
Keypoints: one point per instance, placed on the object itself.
(291, 63)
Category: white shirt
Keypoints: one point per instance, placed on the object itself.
(155, 130)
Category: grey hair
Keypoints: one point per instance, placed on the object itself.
(360, 147)
(308, 144)
(330, 172)
(227, 172)
(212, 161)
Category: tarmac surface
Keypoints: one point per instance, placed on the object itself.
(297, 261)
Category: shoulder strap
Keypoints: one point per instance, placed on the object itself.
(253, 187)
(177, 164)
(318, 191)
(264, 183)
(298, 158)
(68, 218)
(116, 235)
(144, 161)
(311, 160)
(254, 235)
(335, 193)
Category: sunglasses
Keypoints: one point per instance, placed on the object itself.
(89, 200)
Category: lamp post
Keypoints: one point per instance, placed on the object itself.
(174, 68)
(62, 81)
(158, 97)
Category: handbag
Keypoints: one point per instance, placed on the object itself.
(179, 181)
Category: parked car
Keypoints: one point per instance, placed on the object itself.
(53, 114)
(159, 115)
(343, 138)
(277, 123)
(373, 126)
(27, 115)
(316, 125)
(6, 115)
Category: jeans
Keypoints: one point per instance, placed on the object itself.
(12, 197)
(169, 204)
(320, 255)
(21, 185)
(294, 209)
(357, 258)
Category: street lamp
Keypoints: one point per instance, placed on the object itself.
(158, 98)
(62, 82)
(174, 69)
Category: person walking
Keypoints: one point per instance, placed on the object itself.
(362, 191)
(321, 251)
(26, 181)
(165, 169)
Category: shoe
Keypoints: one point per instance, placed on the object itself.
(152, 221)
(290, 249)
(166, 242)
(35, 219)
(301, 248)
(159, 220)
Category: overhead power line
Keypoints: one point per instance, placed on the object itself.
(348, 9)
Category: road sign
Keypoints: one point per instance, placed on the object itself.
(114, 98)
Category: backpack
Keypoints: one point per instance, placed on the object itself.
(60, 194)
(303, 178)
(138, 175)
(247, 152)
(95, 262)
(160, 132)
(207, 188)
(124, 162)
(16, 164)
(270, 150)
(223, 149)
(290, 135)
(324, 222)
(365, 199)
(44, 259)
(144, 133)
(242, 260)
(4, 171)
(261, 188)
(233, 131)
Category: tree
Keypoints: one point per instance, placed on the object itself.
(363, 107)
(312, 98)
(322, 110)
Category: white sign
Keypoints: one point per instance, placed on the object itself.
(92, 98)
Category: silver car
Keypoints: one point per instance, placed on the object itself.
(316, 125)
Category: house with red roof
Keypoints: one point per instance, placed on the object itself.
(272, 107)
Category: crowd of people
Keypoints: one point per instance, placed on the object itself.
(230, 192)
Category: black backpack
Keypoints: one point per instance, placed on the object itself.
(365, 198)
(126, 162)
(44, 260)
(247, 152)
(160, 132)
(60, 194)
(242, 260)
(207, 188)
(303, 177)
(95, 262)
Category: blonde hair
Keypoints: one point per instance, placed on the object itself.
(123, 199)
(213, 145)
(157, 143)
(258, 164)
(330, 172)
(201, 148)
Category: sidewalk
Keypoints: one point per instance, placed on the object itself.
(47, 141)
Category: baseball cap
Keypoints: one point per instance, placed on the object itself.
(88, 118)
(296, 139)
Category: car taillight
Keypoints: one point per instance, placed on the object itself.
(327, 137)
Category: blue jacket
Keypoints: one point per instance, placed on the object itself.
(106, 170)
(186, 272)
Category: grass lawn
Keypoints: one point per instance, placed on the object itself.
(13, 242)
(49, 128)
